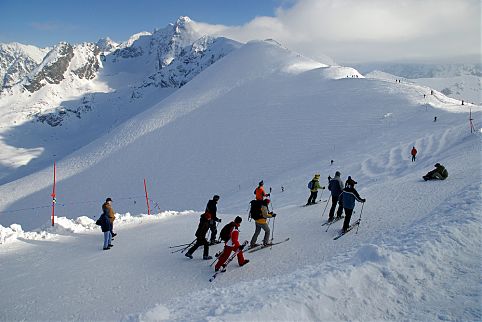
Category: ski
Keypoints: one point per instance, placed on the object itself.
(223, 269)
(256, 248)
(333, 221)
(356, 223)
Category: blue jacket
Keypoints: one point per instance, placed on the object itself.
(105, 223)
(349, 196)
(335, 186)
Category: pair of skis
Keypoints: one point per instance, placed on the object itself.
(343, 233)
(260, 247)
(229, 260)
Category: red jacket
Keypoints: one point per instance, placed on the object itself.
(260, 193)
(414, 151)
(233, 241)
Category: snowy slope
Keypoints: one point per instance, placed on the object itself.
(261, 112)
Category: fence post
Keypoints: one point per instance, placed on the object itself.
(147, 198)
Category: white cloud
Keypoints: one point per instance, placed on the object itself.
(369, 30)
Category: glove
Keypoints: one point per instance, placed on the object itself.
(219, 220)
(363, 200)
(322, 187)
(268, 194)
(241, 247)
(329, 178)
(273, 215)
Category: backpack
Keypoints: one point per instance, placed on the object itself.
(311, 184)
(99, 221)
(255, 211)
(225, 233)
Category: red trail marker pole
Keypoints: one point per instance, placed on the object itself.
(53, 199)
(147, 199)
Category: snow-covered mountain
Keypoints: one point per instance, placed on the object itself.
(17, 61)
(74, 84)
(261, 112)
(418, 70)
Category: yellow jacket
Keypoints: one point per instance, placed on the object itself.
(264, 214)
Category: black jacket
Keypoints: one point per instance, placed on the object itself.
(212, 208)
(203, 227)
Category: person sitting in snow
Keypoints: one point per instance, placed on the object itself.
(201, 231)
(232, 245)
(349, 196)
(261, 223)
(439, 173)
(315, 185)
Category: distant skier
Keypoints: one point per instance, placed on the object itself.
(232, 245)
(259, 212)
(259, 191)
(201, 237)
(109, 212)
(439, 173)
(349, 196)
(212, 209)
(435, 119)
(335, 186)
(314, 185)
(413, 153)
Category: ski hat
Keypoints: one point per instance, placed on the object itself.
(317, 175)
(437, 165)
(238, 220)
(337, 174)
(108, 199)
(215, 197)
(261, 183)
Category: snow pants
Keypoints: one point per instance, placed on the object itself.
(225, 255)
(348, 213)
(334, 201)
(265, 227)
(107, 238)
(312, 198)
(413, 158)
(200, 242)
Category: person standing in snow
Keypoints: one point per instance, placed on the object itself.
(201, 231)
(439, 173)
(335, 185)
(413, 153)
(259, 191)
(109, 212)
(349, 196)
(212, 209)
(315, 185)
(106, 227)
(232, 245)
(261, 223)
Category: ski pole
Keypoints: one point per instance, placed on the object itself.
(325, 208)
(359, 219)
(272, 235)
(179, 245)
(321, 196)
(183, 249)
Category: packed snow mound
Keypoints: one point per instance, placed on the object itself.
(82, 224)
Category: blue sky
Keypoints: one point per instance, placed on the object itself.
(46, 22)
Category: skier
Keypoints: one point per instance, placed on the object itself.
(109, 212)
(435, 119)
(315, 185)
(259, 191)
(335, 186)
(260, 215)
(201, 231)
(212, 209)
(106, 227)
(232, 245)
(413, 153)
(349, 196)
(439, 173)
